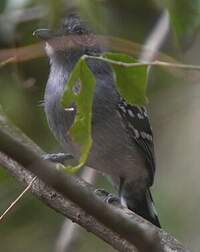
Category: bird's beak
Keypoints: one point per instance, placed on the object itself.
(43, 34)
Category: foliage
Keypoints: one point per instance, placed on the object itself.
(81, 129)
(130, 83)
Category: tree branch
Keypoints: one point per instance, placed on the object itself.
(70, 232)
(65, 207)
(117, 226)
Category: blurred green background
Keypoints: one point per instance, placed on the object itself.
(174, 109)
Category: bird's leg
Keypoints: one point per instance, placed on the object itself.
(121, 185)
(57, 157)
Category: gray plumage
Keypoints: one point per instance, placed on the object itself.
(122, 137)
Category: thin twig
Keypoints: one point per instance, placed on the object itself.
(141, 64)
(6, 62)
(17, 199)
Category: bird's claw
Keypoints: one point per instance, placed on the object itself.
(114, 200)
(108, 197)
(101, 193)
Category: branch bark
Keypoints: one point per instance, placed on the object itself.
(120, 227)
(70, 233)
(63, 206)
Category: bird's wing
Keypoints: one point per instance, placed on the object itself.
(136, 122)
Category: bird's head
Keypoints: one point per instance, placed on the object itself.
(73, 39)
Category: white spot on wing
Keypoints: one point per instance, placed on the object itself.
(123, 109)
(145, 112)
(140, 116)
(146, 136)
(168, 249)
(131, 114)
(137, 135)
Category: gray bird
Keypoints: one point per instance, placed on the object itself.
(122, 137)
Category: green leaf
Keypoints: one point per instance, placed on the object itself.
(80, 131)
(69, 96)
(185, 17)
(131, 82)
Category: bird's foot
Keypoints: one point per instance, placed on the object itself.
(113, 200)
(108, 197)
(101, 193)
(57, 157)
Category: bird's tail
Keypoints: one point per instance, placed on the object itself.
(143, 206)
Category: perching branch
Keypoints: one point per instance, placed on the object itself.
(65, 207)
(117, 226)
(145, 236)
(70, 232)
(49, 196)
